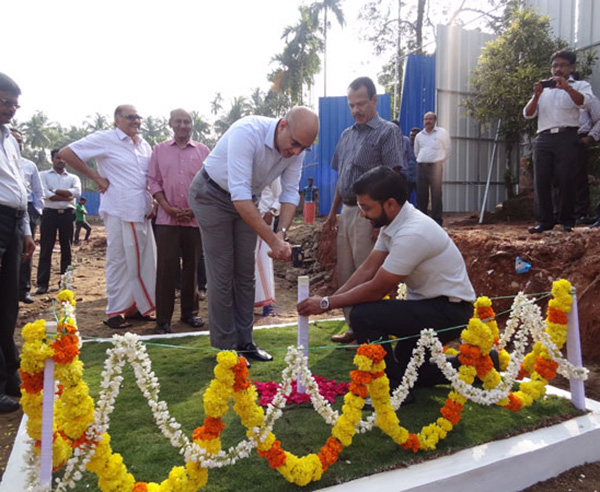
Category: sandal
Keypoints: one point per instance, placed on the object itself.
(193, 321)
(117, 323)
(140, 317)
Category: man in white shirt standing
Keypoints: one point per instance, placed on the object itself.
(432, 149)
(16, 244)
(61, 190)
(35, 205)
(126, 207)
(556, 102)
(249, 156)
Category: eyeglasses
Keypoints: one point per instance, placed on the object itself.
(7, 103)
(298, 145)
(561, 65)
(132, 117)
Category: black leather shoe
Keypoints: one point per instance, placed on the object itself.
(26, 298)
(253, 351)
(193, 321)
(163, 328)
(538, 229)
(567, 228)
(41, 290)
(8, 405)
(13, 385)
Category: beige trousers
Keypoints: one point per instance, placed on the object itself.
(354, 244)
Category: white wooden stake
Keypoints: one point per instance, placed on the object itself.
(574, 355)
(47, 423)
(302, 323)
(47, 417)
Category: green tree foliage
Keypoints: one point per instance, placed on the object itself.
(502, 82)
(239, 108)
(299, 61)
(155, 130)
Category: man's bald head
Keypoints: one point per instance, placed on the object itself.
(303, 123)
(181, 123)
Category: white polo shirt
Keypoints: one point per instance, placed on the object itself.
(422, 251)
(245, 161)
(125, 165)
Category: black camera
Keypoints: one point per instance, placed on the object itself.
(548, 83)
(297, 256)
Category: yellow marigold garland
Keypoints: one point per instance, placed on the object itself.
(74, 407)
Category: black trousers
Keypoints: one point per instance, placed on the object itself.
(53, 222)
(554, 162)
(375, 321)
(582, 187)
(11, 251)
(82, 224)
(25, 273)
(173, 243)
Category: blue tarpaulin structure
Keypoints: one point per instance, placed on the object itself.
(335, 117)
(93, 202)
(418, 91)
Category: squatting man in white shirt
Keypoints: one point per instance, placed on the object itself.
(413, 249)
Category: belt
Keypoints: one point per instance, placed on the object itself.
(558, 129)
(350, 202)
(12, 212)
(58, 210)
(212, 182)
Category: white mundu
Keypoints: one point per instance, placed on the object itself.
(264, 293)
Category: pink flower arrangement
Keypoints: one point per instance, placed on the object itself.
(328, 389)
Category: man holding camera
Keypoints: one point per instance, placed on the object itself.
(556, 103)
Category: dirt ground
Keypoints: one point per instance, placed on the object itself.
(490, 251)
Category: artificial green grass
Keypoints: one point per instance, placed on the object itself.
(185, 369)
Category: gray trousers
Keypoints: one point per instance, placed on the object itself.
(229, 249)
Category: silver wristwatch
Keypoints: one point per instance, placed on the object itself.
(324, 304)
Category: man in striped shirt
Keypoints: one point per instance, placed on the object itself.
(370, 142)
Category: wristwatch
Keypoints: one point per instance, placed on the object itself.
(284, 230)
(324, 304)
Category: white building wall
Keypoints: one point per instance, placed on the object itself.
(466, 172)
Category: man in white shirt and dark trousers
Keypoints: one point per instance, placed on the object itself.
(432, 149)
(410, 248)
(16, 244)
(249, 156)
(61, 190)
(556, 102)
(35, 205)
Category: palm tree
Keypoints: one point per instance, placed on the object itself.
(215, 104)
(154, 130)
(37, 129)
(200, 129)
(299, 61)
(239, 108)
(97, 122)
(325, 6)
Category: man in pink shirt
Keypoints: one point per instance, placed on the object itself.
(173, 165)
